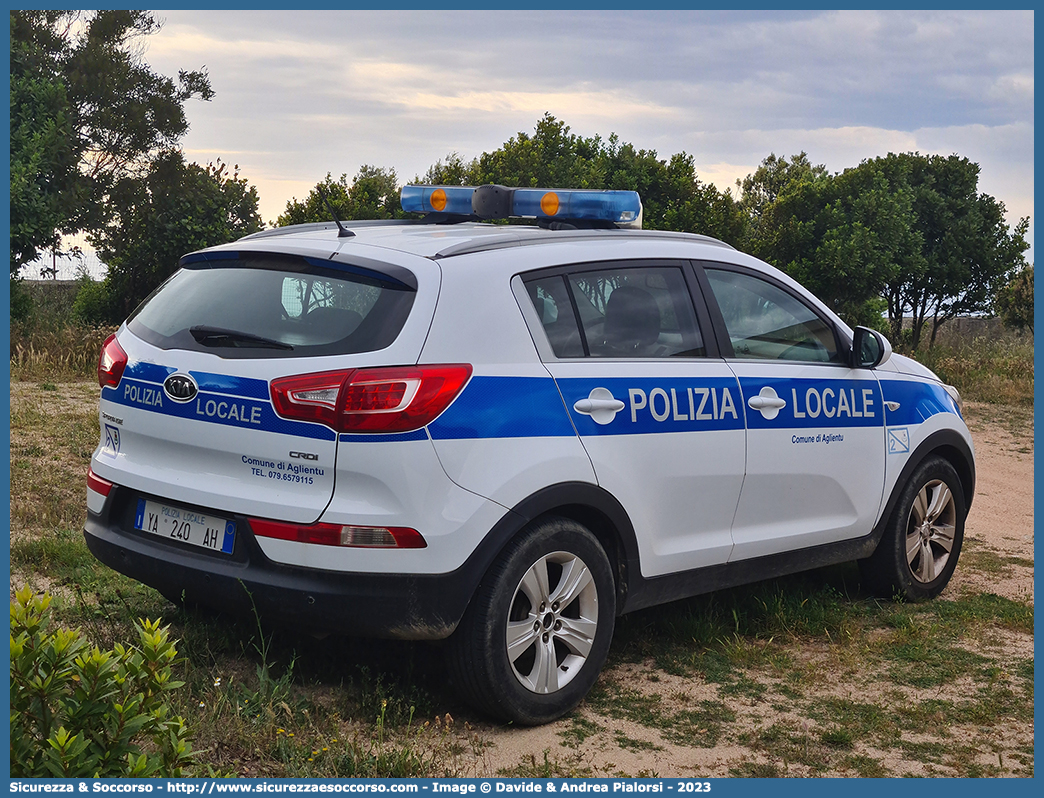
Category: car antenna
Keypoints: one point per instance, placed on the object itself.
(342, 231)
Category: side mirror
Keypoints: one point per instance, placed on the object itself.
(869, 348)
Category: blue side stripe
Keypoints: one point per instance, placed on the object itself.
(234, 386)
(149, 372)
(657, 406)
(918, 401)
(387, 437)
(216, 383)
(505, 407)
(817, 403)
(213, 408)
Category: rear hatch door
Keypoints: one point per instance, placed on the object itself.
(191, 420)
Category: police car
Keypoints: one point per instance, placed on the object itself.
(506, 435)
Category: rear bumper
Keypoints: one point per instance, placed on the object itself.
(402, 606)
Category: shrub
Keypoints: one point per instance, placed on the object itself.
(21, 301)
(77, 711)
(1014, 302)
(93, 304)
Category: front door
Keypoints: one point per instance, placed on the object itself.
(815, 426)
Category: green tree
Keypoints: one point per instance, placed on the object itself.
(551, 157)
(45, 181)
(773, 178)
(673, 197)
(692, 206)
(967, 249)
(176, 208)
(843, 236)
(86, 113)
(372, 194)
(910, 228)
(454, 172)
(1014, 302)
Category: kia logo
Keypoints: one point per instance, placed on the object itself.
(180, 387)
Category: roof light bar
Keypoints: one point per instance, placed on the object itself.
(437, 199)
(620, 208)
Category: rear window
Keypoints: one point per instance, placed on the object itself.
(258, 307)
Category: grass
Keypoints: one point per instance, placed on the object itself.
(806, 674)
(994, 369)
(55, 352)
(997, 565)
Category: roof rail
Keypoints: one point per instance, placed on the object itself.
(511, 239)
(309, 227)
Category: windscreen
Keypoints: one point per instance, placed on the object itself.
(272, 307)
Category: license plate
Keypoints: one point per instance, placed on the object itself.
(186, 526)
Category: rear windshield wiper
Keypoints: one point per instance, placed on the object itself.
(217, 336)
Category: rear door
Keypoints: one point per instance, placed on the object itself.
(815, 426)
(660, 417)
(192, 420)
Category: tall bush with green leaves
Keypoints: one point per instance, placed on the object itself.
(79, 711)
(1013, 303)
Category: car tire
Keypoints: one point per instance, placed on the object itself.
(523, 654)
(922, 541)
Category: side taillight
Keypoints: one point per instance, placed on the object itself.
(111, 362)
(97, 484)
(368, 537)
(396, 399)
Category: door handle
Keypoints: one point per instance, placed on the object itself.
(589, 406)
(600, 405)
(767, 402)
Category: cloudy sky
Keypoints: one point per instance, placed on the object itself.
(300, 94)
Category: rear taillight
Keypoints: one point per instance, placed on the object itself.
(397, 399)
(309, 397)
(369, 537)
(97, 484)
(111, 362)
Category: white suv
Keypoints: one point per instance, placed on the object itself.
(508, 435)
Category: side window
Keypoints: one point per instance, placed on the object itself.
(637, 312)
(551, 301)
(766, 322)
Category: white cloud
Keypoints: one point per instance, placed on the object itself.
(300, 94)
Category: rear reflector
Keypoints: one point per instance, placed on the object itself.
(397, 399)
(369, 537)
(97, 484)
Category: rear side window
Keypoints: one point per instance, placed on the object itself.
(551, 301)
(273, 307)
(639, 312)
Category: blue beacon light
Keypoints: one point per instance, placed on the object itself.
(622, 208)
(437, 199)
